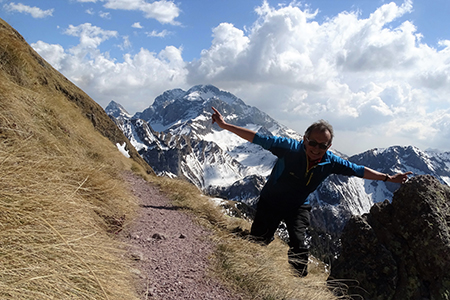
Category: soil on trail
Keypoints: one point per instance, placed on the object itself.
(171, 252)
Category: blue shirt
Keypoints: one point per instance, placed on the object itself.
(290, 182)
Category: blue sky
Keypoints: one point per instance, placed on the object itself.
(378, 71)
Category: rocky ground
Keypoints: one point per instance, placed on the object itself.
(171, 252)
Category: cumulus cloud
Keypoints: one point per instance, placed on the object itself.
(90, 36)
(126, 43)
(53, 54)
(137, 25)
(134, 82)
(161, 34)
(34, 11)
(104, 15)
(372, 77)
(164, 11)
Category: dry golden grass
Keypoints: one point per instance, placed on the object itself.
(59, 189)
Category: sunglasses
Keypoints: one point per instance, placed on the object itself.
(313, 143)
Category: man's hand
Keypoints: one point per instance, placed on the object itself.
(218, 118)
(244, 133)
(399, 177)
(375, 175)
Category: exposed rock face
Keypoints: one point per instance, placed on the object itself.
(400, 250)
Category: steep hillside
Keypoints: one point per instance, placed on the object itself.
(23, 67)
(61, 195)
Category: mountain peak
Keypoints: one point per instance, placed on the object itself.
(116, 110)
(204, 88)
(206, 92)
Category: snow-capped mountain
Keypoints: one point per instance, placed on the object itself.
(176, 137)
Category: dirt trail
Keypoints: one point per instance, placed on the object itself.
(170, 251)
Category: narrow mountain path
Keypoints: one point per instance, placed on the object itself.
(171, 252)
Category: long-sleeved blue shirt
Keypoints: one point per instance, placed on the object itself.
(290, 182)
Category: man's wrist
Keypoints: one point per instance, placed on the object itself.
(386, 177)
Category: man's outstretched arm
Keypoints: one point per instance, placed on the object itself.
(244, 133)
(375, 175)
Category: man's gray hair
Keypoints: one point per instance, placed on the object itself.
(322, 126)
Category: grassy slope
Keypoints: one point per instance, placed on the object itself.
(60, 189)
(61, 197)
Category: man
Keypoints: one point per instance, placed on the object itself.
(299, 170)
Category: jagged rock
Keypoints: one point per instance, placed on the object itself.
(400, 250)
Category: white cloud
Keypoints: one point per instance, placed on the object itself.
(105, 15)
(164, 11)
(161, 34)
(53, 54)
(137, 25)
(372, 78)
(224, 57)
(134, 83)
(90, 36)
(90, 11)
(34, 11)
(126, 43)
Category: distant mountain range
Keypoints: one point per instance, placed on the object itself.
(176, 137)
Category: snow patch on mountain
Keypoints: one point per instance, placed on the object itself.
(257, 160)
(123, 150)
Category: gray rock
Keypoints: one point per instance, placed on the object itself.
(400, 250)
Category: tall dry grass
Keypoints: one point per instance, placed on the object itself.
(59, 190)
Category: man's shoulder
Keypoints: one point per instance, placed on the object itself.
(339, 163)
(332, 157)
(270, 141)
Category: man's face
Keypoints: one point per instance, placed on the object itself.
(321, 142)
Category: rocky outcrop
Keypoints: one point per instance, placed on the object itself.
(400, 250)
